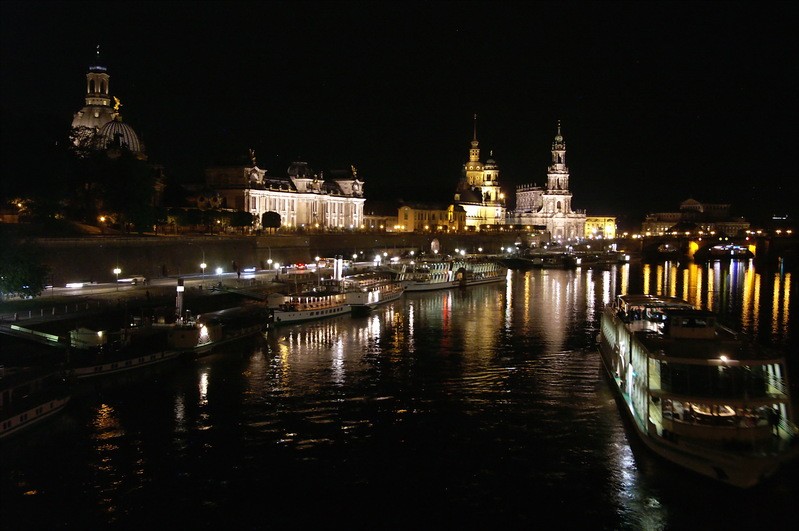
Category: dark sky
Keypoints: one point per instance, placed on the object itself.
(659, 101)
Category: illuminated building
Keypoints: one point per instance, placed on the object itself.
(478, 191)
(302, 198)
(98, 126)
(600, 227)
(550, 207)
(694, 216)
(417, 217)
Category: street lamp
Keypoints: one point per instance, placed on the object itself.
(203, 266)
(117, 271)
(219, 274)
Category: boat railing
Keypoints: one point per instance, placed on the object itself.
(777, 383)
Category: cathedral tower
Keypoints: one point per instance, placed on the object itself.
(557, 197)
(551, 206)
(558, 172)
(478, 191)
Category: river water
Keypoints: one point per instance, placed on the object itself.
(477, 408)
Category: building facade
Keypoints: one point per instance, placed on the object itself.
(478, 192)
(600, 227)
(98, 125)
(302, 198)
(550, 207)
(695, 216)
(430, 218)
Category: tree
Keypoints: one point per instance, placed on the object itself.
(21, 269)
(270, 220)
(243, 219)
(127, 188)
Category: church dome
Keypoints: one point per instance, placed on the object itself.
(300, 170)
(93, 116)
(490, 164)
(118, 134)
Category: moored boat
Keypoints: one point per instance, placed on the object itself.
(157, 344)
(541, 260)
(368, 290)
(320, 302)
(697, 393)
(433, 275)
(200, 336)
(95, 353)
(28, 397)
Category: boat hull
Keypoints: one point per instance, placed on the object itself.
(284, 317)
(432, 286)
(22, 420)
(122, 365)
(733, 468)
(378, 299)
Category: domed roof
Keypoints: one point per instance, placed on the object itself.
(300, 170)
(93, 116)
(491, 164)
(116, 133)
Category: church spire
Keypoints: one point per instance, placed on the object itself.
(474, 153)
(558, 172)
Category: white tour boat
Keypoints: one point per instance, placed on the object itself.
(321, 302)
(697, 393)
(433, 275)
(368, 290)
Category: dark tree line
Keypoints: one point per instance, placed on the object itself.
(22, 271)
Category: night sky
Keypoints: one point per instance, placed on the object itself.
(659, 101)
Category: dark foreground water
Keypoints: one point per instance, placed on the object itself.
(479, 408)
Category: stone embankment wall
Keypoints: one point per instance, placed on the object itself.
(94, 258)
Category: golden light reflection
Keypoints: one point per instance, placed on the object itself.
(699, 274)
(180, 413)
(589, 289)
(711, 286)
(410, 339)
(646, 273)
(106, 423)
(775, 305)
(746, 300)
(625, 279)
(786, 301)
(716, 286)
(673, 280)
(659, 279)
(756, 306)
(338, 362)
(204, 388)
(686, 278)
(509, 299)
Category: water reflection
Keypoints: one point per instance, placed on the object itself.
(447, 396)
(734, 289)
